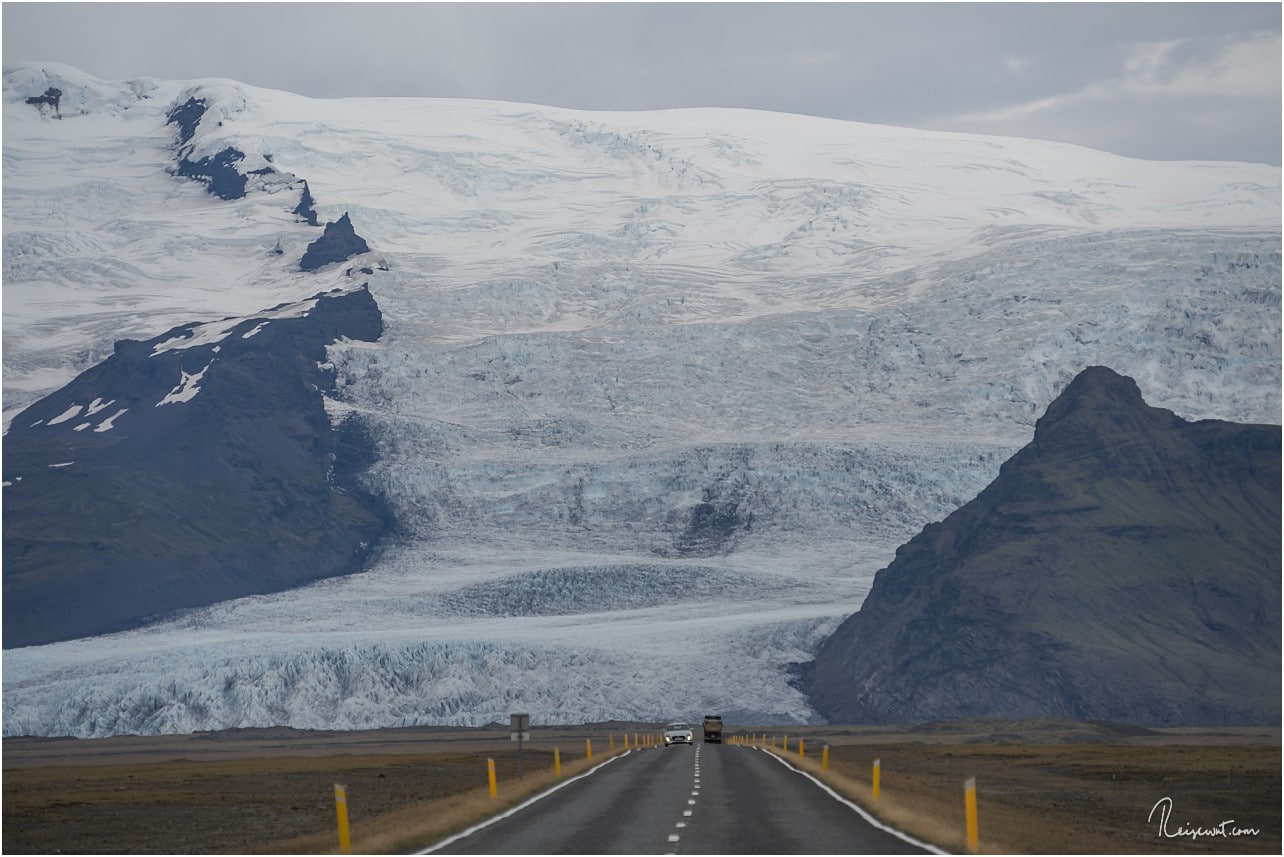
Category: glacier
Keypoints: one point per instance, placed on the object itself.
(658, 393)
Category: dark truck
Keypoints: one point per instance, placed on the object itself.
(712, 729)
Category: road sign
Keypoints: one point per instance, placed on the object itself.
(521, 726)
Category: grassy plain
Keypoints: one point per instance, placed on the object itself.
(1049, 787)
(1043, 786)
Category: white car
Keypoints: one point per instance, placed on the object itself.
(677, 733)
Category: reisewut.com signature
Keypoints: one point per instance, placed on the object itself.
(1162, 813)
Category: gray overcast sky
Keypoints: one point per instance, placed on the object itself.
(1149, 80)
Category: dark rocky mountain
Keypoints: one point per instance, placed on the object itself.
(1123, 566)
(338, 243)
(218, 171)
(187, 116)
(51, 97)
(305, 209)
(221, 172)
(195, 467)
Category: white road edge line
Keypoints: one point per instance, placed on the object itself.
(521, 806)
(863, 814)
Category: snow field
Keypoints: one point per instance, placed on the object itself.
(595, 322)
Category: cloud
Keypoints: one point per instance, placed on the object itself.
(1079, 72)
(1199, 89)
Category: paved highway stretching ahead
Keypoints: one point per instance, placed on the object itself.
(701, 799)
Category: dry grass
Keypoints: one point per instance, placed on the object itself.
(1049, 799)
(275, 805)
(413, 827)
(272, 792)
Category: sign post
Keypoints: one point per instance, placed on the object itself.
(969, 810)
(341, 810)
(521, 731)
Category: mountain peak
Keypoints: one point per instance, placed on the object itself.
(202, 465)
(338, 243)
(1117, 561)
(1094, 392)
(1100, 382)
(1100, 416)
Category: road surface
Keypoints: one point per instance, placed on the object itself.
(699, 799)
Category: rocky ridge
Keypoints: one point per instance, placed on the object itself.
(197, 466)
(1123, 566)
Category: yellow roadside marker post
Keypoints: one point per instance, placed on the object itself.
(557, 762)
(490, 777)
(969, 808)
(341, 809)
(824, 758)
(786, 750)
(801, 751)
(878, 764)
(588, 748)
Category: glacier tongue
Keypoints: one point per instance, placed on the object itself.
(658, 392)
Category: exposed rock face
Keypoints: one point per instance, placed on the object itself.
(1125, 565)
(187, 116)
(51, 96)
(189, 469)
(338, 243)
(305, 208)
(219, 173)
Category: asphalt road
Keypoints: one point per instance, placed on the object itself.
(700, 799)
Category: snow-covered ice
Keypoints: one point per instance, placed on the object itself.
(596, 322)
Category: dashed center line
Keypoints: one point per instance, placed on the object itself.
(674, 838)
